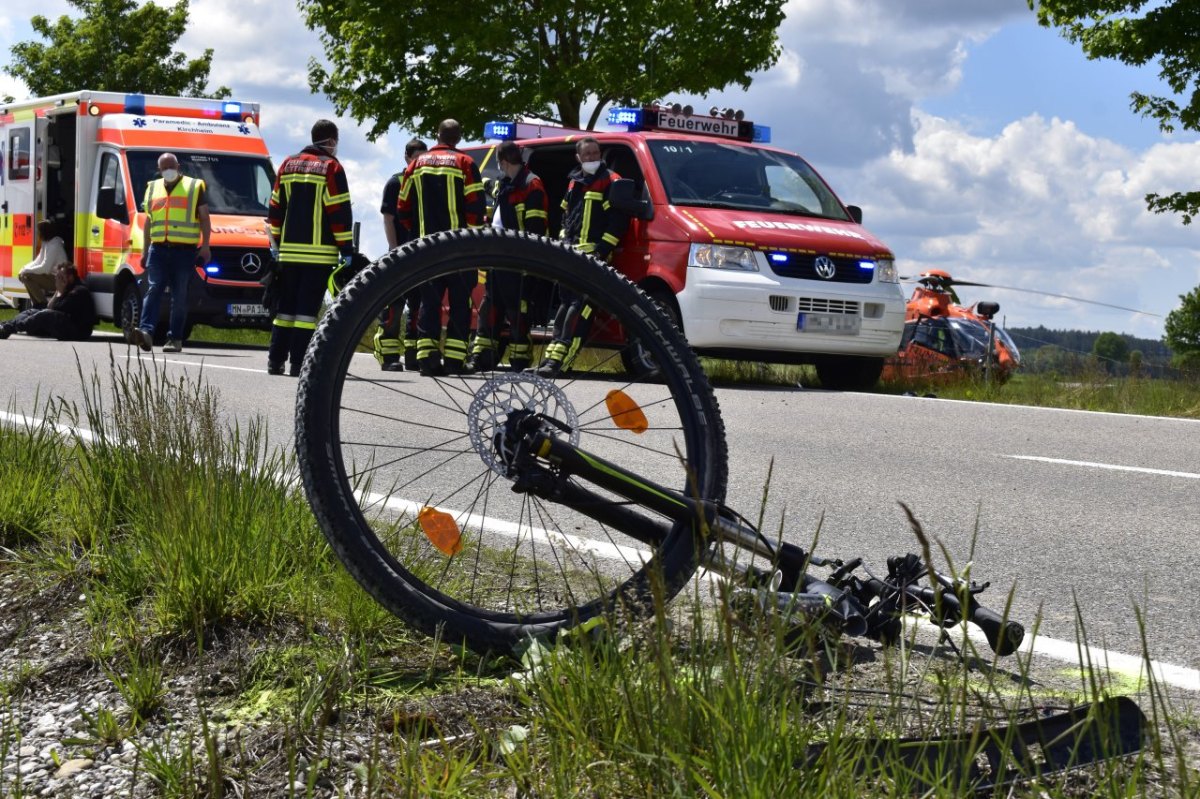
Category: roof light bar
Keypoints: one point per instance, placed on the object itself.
(728, 125)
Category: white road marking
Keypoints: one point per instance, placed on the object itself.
(206, 365)
(1111, 466)
(1064, 651)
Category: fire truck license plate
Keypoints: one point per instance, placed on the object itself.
(247, 309)
(843, 324)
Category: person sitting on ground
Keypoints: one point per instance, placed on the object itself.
(38, 274)
(69, 316)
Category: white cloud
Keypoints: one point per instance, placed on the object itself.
(1043, 206)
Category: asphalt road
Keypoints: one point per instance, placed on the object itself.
(1060, 506)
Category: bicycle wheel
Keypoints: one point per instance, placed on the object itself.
(409, 476)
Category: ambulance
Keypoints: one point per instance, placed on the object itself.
(82, 161)
(744, 245)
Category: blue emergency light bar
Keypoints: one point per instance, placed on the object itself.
(631, 117)
(213, 269)
(866, 264)
(231, 111)
(762, 134)
(135, 104)
(500, 130)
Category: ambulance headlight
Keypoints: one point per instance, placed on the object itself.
(885, 271)
(720, 256)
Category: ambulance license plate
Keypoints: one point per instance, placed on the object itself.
(247, 309)
(840, 324)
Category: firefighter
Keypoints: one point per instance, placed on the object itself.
(520, 205)
(442, 190)
(175, 235)
(388, 344)
(592, 225)
(310, 218)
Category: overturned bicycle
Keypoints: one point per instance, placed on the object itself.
(506, 505)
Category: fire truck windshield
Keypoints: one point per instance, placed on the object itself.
(236, 184)
(719, 174)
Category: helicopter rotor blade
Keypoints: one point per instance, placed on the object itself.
(1058, 296)
(956, 282)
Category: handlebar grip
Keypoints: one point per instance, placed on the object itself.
(1002, 636)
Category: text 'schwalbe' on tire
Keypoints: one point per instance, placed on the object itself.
(377, 447)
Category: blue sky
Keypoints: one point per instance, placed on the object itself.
(975, 141)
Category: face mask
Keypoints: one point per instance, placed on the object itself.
(170, 175)
(329, 146)
(591, 166)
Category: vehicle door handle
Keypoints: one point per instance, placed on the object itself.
(95, 231)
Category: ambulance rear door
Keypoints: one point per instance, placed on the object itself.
(17, 200)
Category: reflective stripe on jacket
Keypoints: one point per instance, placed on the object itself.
(310, 213)
(173, 214)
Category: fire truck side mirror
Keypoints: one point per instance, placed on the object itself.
(855, 213)
(107, 206)
(623, 196)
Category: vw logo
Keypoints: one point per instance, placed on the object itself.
(825, 267)
(251, 263)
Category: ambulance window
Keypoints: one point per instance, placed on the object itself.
(110, 177)
(18, 148)
(263, 186)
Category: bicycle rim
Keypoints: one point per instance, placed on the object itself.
(407, 474)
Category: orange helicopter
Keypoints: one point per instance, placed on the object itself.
(945, 341)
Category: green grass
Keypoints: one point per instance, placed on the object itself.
(186, 537)
(1093, 391)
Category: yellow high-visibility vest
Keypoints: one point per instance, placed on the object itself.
(173, 218)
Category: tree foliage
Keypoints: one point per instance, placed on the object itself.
(416, 63)
(1182, 327)
(116, 45)
(1111, 349)
(1138, 32)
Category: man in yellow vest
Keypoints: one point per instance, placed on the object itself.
(175, 237)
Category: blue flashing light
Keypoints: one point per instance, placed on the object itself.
(213, 269)
(500, 130)
(866, 264)
(762, 134)
(630, 117)
(232, 111)
(779, 258)
(135, 104)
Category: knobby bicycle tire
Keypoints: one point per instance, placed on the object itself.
(375, 448)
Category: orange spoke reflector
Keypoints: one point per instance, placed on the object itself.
(625, 412)
(441, 530)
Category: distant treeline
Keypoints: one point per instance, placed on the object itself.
(1071, 350)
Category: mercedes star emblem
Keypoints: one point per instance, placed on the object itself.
(251, 263)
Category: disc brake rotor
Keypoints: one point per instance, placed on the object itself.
(514, 392)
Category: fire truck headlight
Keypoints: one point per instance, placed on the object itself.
(885, 271)
(717, 256)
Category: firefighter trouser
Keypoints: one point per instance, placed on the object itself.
(457, 290)
(301, 287)
(504, 304)
(388, 343)
(572, 323)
